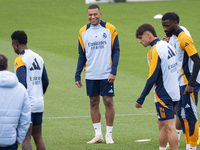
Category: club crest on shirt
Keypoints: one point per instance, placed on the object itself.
(104, 35)
(175, 45)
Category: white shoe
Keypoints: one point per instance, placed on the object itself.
(97, 139)
(109, 139)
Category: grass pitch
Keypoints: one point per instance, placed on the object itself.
(52, 28)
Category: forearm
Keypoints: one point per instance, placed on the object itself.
(195, 70)
(115, 63)
(145, 92)
(115, 56)
(45, 80)
(80, 65)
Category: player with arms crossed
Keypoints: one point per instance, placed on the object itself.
(163, 76)
(99, 52)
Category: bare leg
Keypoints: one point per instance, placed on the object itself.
(26, 144)
(178, 122)
(110, 110)
(94, 108)
(172, 137)
(162, 134)
(37, 136)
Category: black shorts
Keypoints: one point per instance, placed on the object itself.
(99, 87)
(36, 118)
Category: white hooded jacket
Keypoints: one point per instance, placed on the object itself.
(15, 110)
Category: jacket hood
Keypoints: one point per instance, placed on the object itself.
(8, 79)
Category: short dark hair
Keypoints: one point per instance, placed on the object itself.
(3, 62)
(145, 27)
(93, 6)
(177, 17)
(20, 36)
(170, 16)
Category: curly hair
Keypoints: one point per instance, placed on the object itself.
(20, 36)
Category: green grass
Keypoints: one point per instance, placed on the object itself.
(52, 28)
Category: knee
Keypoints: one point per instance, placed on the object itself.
(94, 102)
(93, 105)
(170, 128)
(37, 137)
(108, 101)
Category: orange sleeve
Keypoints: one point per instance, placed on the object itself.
(18, 62)
(186, 44)
(153, 59)
(113, 32)
(80, 37)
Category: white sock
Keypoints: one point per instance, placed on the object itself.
(97, 127)
(162, 148)
(109, 129)
(179, 133)
(193, 148)
(187, 146)
(199, 129)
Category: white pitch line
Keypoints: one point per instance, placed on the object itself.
(71, 117)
